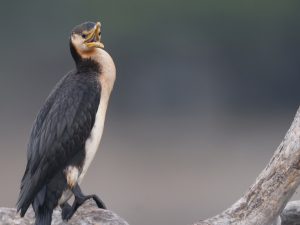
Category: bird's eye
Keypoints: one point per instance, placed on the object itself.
(83, 35)
(99, 33)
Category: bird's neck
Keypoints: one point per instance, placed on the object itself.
(107, 73)
(101, 62)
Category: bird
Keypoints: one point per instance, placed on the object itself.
(67, 130)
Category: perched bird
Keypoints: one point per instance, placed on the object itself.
(67, 130)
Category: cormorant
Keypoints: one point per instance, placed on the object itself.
(67, 130)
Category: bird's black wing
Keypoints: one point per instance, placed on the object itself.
(59, 132)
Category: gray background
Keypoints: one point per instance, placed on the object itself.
(205, 92)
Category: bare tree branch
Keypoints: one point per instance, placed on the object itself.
(291, 214)
(87, 214)
(266, 198)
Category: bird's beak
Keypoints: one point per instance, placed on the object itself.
(93, 39)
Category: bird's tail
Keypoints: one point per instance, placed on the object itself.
(43, 216)
(29, 186)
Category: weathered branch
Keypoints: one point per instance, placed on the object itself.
(87, 214)
(267, 197)
(291, 214)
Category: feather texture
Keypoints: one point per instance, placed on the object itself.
(59, 133)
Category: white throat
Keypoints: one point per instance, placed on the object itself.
(108, 69)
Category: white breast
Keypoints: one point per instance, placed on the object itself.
(106, 78)
(92, 143)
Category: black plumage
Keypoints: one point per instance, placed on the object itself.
(59, 132)
(58, 138)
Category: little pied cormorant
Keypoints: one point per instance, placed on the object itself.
(67, 130)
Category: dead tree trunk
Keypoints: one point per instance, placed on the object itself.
(266, 198)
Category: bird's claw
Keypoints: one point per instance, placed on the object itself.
(99, 202)
(67, 212)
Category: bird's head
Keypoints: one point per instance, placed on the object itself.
(85, 39)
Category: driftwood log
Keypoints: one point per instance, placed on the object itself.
(87, 214)
(266, 198)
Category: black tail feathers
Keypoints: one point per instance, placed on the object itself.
(43, 216)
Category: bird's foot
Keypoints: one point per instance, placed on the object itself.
(66, 212)
(80, 198)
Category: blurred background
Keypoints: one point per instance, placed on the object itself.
(205, 92)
